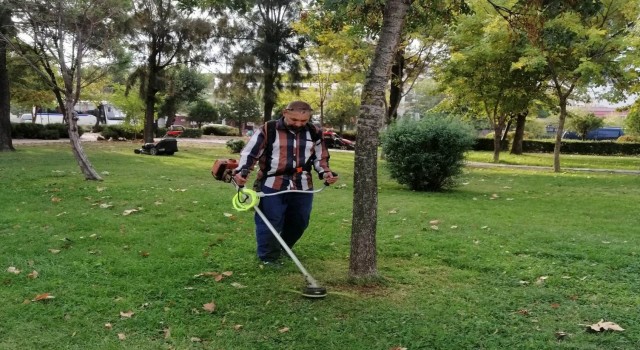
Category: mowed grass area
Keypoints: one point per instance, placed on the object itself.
(506, 260)
(566, 160)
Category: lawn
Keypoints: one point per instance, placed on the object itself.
(154, 257)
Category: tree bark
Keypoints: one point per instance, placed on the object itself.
(397, 87)
(150, 100)
(521, 119)
(558, 144)
(76, 146)
(6, 143)
(362, 260)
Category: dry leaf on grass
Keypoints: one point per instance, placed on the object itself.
(209, 307)
(129, 212)
(108, 326)
(238, 285)
(33, 274)
(237, 327)
(604, 326)
(13, 270)
(43, 296)
(167, 333)
(196, 339)
(283, 330)
(121, 336)
(127, 314)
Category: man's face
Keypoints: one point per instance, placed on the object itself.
(296, 118)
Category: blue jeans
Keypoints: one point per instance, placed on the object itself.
(289, 214)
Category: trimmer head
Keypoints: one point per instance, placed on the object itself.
(314, 292)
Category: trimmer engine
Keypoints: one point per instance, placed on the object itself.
(223, 169)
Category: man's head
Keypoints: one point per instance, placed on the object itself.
(297, 114)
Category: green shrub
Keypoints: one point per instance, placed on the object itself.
(191, 133)
(484, 144)
(629, 138)
(26, 131)
(427, 155)
(582, 147)
(117, 131)
(349, 135)
(235, 146)
(49, 134)
(63, 129)
(220, 130)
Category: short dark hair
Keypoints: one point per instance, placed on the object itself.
(298, 105)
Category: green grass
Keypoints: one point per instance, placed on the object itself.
(566, 160)
(469, 284)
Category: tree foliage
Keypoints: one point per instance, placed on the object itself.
(582, 124)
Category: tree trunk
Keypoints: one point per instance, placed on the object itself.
(497, 142)
(6, 143)
(150, 101)
(269, 95)
(397, 87)
(76, 146)
(558, 144)
(362, 260)
(521, 119)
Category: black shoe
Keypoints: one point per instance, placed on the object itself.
(271, 264)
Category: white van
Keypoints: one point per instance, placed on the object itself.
(25, 118)
(49, 118)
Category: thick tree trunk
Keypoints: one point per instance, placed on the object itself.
(6, 143)
(269, 95)
(521, 119)
(362, 260)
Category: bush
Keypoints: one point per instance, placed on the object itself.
(63, 129)
(349, 135)
(49, 134)
(117, 131)
(26, 131)
(220, 130)
(191, 133)
(428, 154)
(629, 138)
(235, 146)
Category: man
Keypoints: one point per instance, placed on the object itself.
(286, 150)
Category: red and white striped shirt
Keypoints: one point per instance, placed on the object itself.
(293, 156)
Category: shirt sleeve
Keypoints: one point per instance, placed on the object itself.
(321, 163)
(252, 150)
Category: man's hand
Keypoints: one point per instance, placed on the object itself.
(239, 179)
(329, 178)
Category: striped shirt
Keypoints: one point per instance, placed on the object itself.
(292, 157)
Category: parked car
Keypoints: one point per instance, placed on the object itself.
(333, 140)
(608, 133)
(600, 134)
(174, 131)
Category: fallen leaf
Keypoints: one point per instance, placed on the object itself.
(167, 333)
(108, 326)
(227, 273)
(434, 222)
(55, 199)
(13, 270)
(209, 307)
(523, 312)
(127, 314)
(121, 336)
(100, 189)
(237, 327)
(228, 215)
(283, 330)
(555, 305)
(129, 212)
(393, 211)
(398, 348)
(604, 326)
(541, 279)
(454, 227)
(144, 254)
(33, 274)
(196, 339)
(238, 285)
(43, 296)
(105, 206)
(561, 335)
(434, 227)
